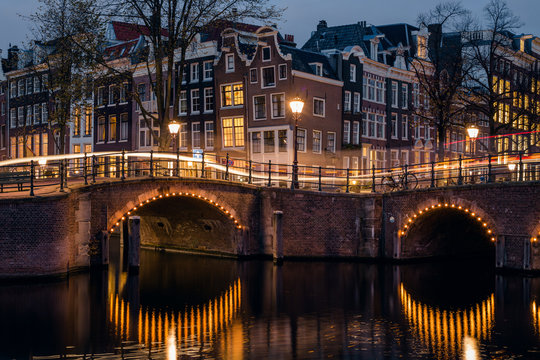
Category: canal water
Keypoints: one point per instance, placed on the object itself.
(189, 307)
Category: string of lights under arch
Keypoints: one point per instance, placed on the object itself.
(215, 204)
(411, 220)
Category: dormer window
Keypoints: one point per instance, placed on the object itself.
(317, 68)
(422, 47)
(266, 53)
(374, 49)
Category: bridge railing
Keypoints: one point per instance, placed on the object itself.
(59, 171)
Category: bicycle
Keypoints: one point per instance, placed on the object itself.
(394, 183)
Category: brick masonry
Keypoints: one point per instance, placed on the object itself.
(55, 234)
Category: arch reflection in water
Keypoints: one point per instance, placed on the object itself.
(449, 334)
(189, 331)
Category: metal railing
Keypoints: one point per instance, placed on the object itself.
(59, 171)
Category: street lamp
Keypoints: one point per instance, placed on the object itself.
(297, 104)
(472, 130)
(174, 126)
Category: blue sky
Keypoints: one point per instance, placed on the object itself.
(301, 16)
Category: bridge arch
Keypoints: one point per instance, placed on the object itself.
(420, 229)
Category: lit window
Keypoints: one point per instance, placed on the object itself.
(232, 95)
(233, 132)
(112, 128)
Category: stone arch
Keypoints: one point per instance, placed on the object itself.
(458, 209)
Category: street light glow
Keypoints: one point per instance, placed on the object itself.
(297, 105)
(472, 131)
(174, 126)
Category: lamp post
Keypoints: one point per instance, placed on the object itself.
(297, 105)
(174, 126)
(472, 130)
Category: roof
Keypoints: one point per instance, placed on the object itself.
(301, 60)
(343, 36)
(121, 50)
(213, 30)
(128, 31)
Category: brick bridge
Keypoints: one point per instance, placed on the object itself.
(55, 233)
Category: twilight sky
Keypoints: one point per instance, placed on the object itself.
(301, 16)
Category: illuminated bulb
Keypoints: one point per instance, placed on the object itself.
(410, 220)
(112, 230)
(141, 204)
(485, 225)
(123, 218)
(354, 182)
(192, 194)
(226, 211)
(160, 196)
(479, 218)
(453, 205)
(427, 209)
(117, 224)
(236, 221)
(173, 194)
(231, 217)
(129, 212)
(199, 196)
(489, 231)
(147, 201)
(459, 207)
(445, 205)
(466, 210)
(439, 205)
(414, 215)
(166, 194)
(154, 198)
(420, 211)
(473, 214)
(492, 239)
(135, 208)
(433, 206)
(534, 239)
(406, 226)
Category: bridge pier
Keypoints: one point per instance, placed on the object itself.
(277, 243)
(134, 246)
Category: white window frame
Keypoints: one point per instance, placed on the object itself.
(192, 103)
(255, 118)
(121, 137)
(313, 141)
(207, 135)
(356, 103)
(304, 131)
(347, 101)
(333, 148)
(394, 126)
(405, 95)
(12, 118)
(280, 66)
(193, 132)
(272, 105)
(355, 135)
(262, 77)
(395, 94)
(269, 53)
(206, 102)
(352, 73)
(324, 106)
(37, 87)
(207, 73)
(194, 72)
(180, 112)
(182, 135)
(233, 104)
(346, 132)
(404, 127)
(318, 68)
(228, 67)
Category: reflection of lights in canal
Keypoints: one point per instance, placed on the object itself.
(177, 330)
(450, 334)
(535, 310)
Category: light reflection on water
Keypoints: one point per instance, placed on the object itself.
(187, 307)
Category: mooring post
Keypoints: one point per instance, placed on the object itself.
(104, 245)
(134, 243)
(277, 243)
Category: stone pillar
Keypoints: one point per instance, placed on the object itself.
(500, 255)
(124, 243)
(277, 243)
(134, 243)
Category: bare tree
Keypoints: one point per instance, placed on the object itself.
(172, 26)
(490, 90)
(440, 68)
(63, 29)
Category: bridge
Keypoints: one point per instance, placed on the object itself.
(59, 211)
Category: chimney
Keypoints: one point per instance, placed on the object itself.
(322, 25)
(13, 57)
(288, 39)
